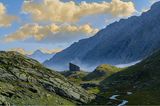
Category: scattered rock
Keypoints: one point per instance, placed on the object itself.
(22, 77)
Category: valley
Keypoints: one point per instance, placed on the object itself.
(80, 53)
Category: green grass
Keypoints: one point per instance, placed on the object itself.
(94, 90)
(146, 97)
(75, 76)
(22, 96)
(106, 67)
(25, 81)
(101, 72)
(48, 99)
(143, 80)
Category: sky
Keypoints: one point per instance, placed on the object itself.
(53, 25)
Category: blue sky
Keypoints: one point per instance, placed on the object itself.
(61, 41)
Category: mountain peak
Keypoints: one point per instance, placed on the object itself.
(38, 52)
(40, 56)
(122, 42)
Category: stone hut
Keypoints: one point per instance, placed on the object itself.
(73, 67)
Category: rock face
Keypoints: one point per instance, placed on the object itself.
(73, 67)
(122, 42)
(25, 81)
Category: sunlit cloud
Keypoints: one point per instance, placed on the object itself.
(39, 32)
(5, 19)
(21, 50)
(58, 11)
(30, 52)
(50, 51)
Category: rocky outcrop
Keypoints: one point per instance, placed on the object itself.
(73, 67)
(24, 80)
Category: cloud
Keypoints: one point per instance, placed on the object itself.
(39, 32)
(5, 19)
(58, 11)
(21, 50)
(53, 51)
(44, 50)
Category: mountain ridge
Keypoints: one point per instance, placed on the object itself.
(25, 81)
(122, 42)
(40, 56)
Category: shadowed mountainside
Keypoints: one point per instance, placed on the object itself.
(122, 42)
(139, 84)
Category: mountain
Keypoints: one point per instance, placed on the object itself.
(40, 56)
(101, 72)
(122, 42)
(25, 81)
(139, 84)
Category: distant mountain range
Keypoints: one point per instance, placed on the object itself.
(40, 56)
(122, 42)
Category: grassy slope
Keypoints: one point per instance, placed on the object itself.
(12, 94)
(75, 76)
(101, 72)
(93, 78)
(143, 80)
(25, 81)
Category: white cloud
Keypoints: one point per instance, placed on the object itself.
(21, 50)
(58, 11)
(29, 52)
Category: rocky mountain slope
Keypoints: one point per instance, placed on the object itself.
(40, 56)
(139, 84)
(24, 81)
(122, 42)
